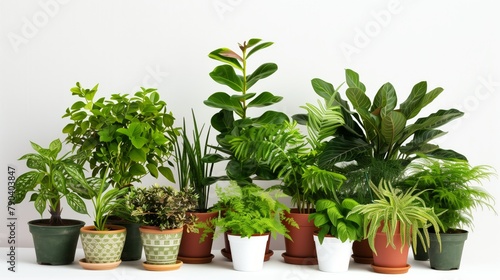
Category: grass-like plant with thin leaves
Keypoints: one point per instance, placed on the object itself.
(452, 187)
(394, 209)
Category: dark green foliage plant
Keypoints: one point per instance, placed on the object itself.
(248, 210)
(133, 135)
(49, 180)
(332, 218)
(452, 187)
(379, 137)
(234, 117)
(162, 206)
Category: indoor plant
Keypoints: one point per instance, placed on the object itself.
(390, 224)
(50, 180)
(451, 188)
(135, 133)
(337, 231)
(162, 213)
(379, 138)
(102, 243)
(193, 173)
(234, 117)
(249, 214)
(293, 157)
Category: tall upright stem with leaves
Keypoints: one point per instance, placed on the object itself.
(233, 118)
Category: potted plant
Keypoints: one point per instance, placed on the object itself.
(193, 173)
(49, 180)
(135, 134)
(234, 116)
(379, 138)
(293, 156)
(249, 216)
(390, 225)
(337, 231)
(102, 243)
(162, 213)
(452, 187)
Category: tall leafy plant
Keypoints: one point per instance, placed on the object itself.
(234, 117)
(379, 137)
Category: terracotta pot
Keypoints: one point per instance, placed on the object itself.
(191, 250)
(300, 249)
(361, 252)
(396, 259)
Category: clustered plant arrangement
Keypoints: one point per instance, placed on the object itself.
(366, 169)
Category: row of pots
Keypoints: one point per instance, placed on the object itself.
(310, 251)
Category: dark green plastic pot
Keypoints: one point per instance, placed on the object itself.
(132, 250)
(450, 256)
(55, 245)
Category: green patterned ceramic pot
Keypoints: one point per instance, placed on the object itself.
(103, 246)
(160, 246)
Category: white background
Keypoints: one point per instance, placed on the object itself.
(47, 46)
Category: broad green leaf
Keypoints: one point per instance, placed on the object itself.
(334, 215)
(271, 117)
(153, 170)
(224, 74)
(216, 54)
(322, 88)
(75, 171)
(263, 71)
(213, 158)
(257, 48)
(358, 98)
(446, 154)
(78, 116)
(385, 99)
(349, 203)
(76, 203)
(40, 204)
(264, 99)
(167, 173)
(352, 80)
(222, 100)
(59, 181)
(252, 42)
(413, 104)
(434, 120)
(34, 161)
(392, 126)
(137, 170)
(430, 96)
(24, 183)
(323, 204)
(138, 155)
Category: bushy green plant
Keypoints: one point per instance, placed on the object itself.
(293, 156)
(451, 187)
(248, 210)
(332, 218)
(378, 139)
(162, 206)
(394, 209)
(133, 135)
(192, 171)
(50, 180)
(234, 118)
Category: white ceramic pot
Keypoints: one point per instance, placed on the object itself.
(247, 253)
(333, 254)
